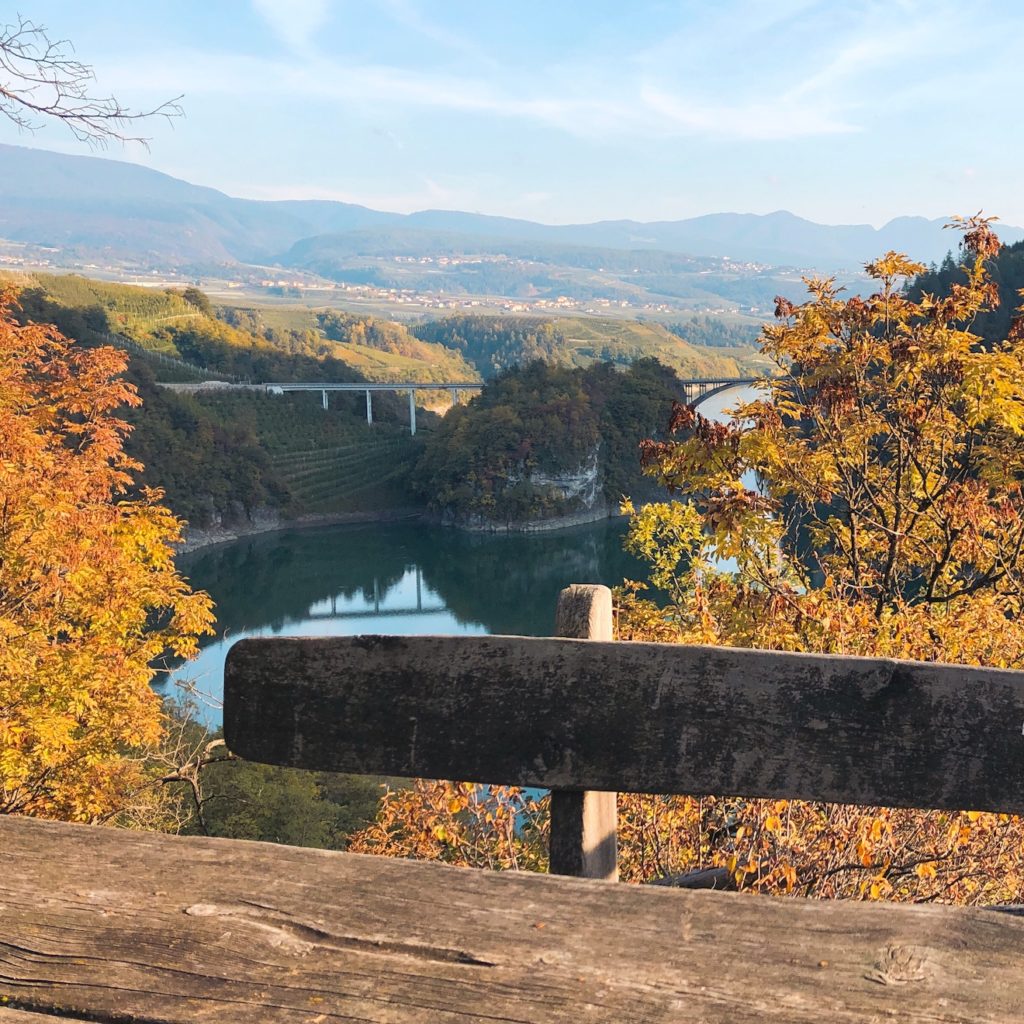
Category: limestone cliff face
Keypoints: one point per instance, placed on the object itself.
(580, 487)
(553, 499)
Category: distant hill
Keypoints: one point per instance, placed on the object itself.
(92, 206)
(97, 207)
(492, 344)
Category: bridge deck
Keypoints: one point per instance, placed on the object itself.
(377, 386)
(105, 925)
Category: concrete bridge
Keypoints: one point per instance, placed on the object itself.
(697, 391)
(694, 391)
(455, 388)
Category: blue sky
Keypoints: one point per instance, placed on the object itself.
(845, 112)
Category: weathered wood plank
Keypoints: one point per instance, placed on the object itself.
(117, 926)
(584, 823)
(656, 718)
(8, 1016)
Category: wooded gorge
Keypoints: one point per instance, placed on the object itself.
(223, 456)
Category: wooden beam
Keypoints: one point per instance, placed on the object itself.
(584, 823)
(656, 718)
(114, 926)
(8, 1016)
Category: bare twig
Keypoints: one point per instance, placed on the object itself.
(41, 79)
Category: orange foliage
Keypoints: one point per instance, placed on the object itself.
(89, 596)
(889, 521)
(497, 827)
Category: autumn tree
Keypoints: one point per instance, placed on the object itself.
(89, 595)
(887, 517)
(868, 503)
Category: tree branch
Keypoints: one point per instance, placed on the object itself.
(41, 80)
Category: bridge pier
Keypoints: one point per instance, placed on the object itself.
(454, 388)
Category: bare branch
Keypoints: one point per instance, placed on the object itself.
(41, 79)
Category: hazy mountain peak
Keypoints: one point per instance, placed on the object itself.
(95, 204)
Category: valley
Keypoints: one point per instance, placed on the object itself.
(57, 214)
(561, 391)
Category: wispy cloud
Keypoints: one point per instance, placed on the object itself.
(786, 88)
(644, 110)
(294, 22)
(749, 120)
(408, 15)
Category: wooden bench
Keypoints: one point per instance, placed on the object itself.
(103, 925)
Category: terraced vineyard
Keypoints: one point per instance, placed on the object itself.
(331, 461)
(297, 421)
(371, 473)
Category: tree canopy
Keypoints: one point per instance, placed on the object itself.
(868, 504)
(89, 595)
(508, 455)
(889, 518)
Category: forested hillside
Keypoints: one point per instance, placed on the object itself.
(492, 344)
(252, 343)
(714, 332)
(379, 350)
(222, 457)
(543, 441)
(1007, 273)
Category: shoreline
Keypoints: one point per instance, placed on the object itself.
(204, 538)
(594, 515)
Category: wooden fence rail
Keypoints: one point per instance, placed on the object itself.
(110, 926)
(653, 718)
(106, 926)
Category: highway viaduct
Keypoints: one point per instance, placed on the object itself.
(455, 388)
(695, 391)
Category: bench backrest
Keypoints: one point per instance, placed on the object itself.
(654, 718)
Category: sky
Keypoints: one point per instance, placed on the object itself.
(842, 112)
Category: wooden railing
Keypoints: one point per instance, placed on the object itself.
(103, 925)
(648, 718)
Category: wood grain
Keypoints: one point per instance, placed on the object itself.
(8, 1016)
(655, 718)
(114, 926)
(584, 823)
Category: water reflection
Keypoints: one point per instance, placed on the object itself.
(402, 579)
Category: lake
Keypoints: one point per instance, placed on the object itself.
(398, 578)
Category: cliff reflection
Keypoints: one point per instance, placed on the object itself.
(504, 584)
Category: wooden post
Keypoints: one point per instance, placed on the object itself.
(584, 822)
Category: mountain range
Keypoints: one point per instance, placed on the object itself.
(100, 208)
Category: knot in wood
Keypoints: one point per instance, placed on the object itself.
(902, 965)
